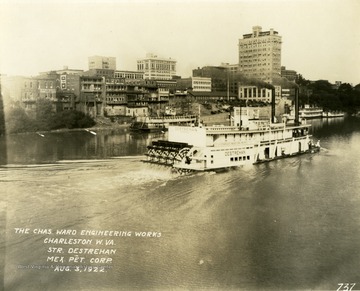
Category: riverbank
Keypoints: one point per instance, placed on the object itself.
(207, 116)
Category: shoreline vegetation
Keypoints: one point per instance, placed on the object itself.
(16, 120)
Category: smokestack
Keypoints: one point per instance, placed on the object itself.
(273, 105)
(297, 106)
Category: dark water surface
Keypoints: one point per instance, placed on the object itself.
(292, 224)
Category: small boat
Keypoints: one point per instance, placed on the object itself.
(148, 124)
(245, 141)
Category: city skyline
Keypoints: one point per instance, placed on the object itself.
(320, 39)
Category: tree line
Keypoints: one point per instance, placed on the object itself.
(43, 118)
(318, 93)
(323, 94)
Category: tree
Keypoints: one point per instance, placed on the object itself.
(72, 119)
(18, 121)
(44, 119)
(301, 81)
(44, 114)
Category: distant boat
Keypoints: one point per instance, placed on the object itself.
(309, 112)
(147, 124)
(330, 114)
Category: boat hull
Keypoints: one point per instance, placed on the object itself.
(147, 127)
(147, 124)
(227, 157)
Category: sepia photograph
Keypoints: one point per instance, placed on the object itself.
(179, 145)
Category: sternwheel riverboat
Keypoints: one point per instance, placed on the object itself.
(245, 141)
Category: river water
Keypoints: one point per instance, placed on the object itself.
(291, 224)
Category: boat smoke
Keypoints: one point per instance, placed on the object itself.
(242, 80)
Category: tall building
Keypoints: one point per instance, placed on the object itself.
(157, 68)
(100, 62)
(260, 54)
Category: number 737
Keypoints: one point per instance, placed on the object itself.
(345, 286)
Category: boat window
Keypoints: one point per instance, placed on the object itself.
(248, 157)
(231, 159)
(236, 158)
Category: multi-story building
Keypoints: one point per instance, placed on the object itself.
(68, 91)
(47, 86)
(92, 95)
(100, 62)
(157, 68)
(201, 84)
(259, 92)
(115, 96)
(254, 93)
(40, 87)
(218, 75)
(123, 98)
(30, 93)
(196, 84)
(116, 93)
(260, 54)
(165, 88)
(67, 86)
(130, 77)
(62, 87)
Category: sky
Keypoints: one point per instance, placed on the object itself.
(320, 38)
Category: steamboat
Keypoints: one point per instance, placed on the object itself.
(309, 112)
(244, 141)
(149, 124)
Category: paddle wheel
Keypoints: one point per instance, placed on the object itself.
(166, 152)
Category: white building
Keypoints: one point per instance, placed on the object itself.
(196, 84)
(201, 84)
(258, 93)
(133, 75)
(254, 93)
(100, 62)
(157, 68)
